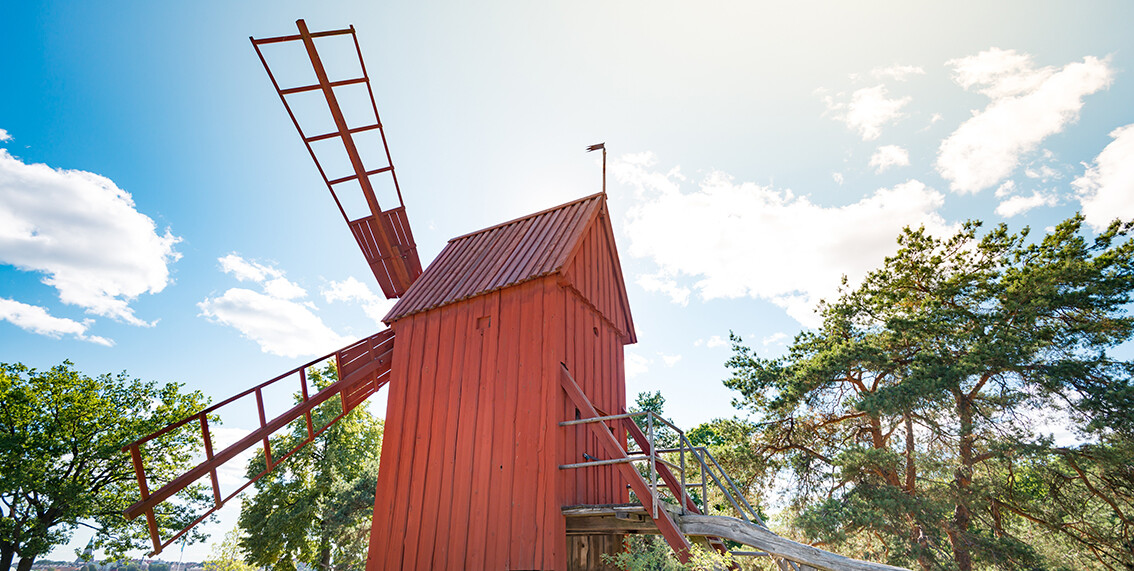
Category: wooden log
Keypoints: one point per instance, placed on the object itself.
(763, 539)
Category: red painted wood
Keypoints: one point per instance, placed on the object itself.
(438, 437)
(525, 457)
(397, 417)
(482, 461)
(500, 481)
(461, 328)
(552, 525)
(412, 425)
(469, 379)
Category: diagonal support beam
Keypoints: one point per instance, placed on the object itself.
(665, 523)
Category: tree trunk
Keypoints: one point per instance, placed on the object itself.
(7, 551)
(25, 563)
(917, 534)
(963, 478)
(324, 545)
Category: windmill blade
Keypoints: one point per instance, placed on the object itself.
(384, 236)
(363, 367)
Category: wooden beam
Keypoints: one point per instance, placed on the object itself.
(763, 539)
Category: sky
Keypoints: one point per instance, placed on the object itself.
(159, 214)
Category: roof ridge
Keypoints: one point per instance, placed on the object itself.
(526, 217)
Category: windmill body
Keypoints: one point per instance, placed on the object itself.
(470, 476)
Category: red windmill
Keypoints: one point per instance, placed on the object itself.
(506, 435)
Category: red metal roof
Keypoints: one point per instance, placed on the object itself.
(500, 256)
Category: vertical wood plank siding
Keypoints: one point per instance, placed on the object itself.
(469, 474)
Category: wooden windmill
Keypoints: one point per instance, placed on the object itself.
(506, 439)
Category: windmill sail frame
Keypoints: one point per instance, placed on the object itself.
(384, 236)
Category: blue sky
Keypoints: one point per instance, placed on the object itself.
(159, 215)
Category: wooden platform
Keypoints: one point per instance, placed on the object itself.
(616, 519)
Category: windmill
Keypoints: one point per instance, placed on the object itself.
(506, 440)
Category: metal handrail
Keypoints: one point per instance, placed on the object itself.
(705, 459)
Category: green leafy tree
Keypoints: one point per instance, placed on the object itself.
(650, 553)
(315, 508)
(226, 555)
(61, 439)
(908, 418)
(654, 402)
(730, 441)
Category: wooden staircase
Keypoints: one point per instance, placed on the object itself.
(678, 523)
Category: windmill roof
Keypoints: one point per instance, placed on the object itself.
(500, 256)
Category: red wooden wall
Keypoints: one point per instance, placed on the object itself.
(469, 477)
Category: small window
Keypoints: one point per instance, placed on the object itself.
(483, 323)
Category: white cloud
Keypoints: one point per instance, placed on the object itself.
(669, 360)
(244, 270)
(838, 178)
(636, 365)
(274, 319)
(4, 136)
(889, 156)
(743, 239)
(898, 72)
(1027, 105)
(352, 290)
(1106, 189)
(1005, 189)
(716, 341)
(231, 474)
(777, 338)
(868, 110)
(36, 319)
(84, 235)
(1020, 204)
(659, 283)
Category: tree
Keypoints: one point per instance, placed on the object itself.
(654, 402)
(908, 418)
(61, 439)
(316, 507)
(226, 555)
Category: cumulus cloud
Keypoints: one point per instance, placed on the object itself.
(762, 242)
(777, 338)
(660, 283)
(636, 365)
(716, 341)
(352, 290)
(669, 360)
(36, 319)
(1005, 189)
(898, 72)
(838, 178)
(868, 110)
(84, 235)
(1026, 106)
(274, 318)
(4, 136)
(1021, 204)
(1106, 189)
(889, 156)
